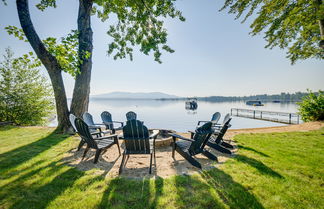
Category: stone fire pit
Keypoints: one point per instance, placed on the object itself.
(163, 139)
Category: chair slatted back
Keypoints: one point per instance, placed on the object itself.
(200, 138)
(215, 118)
(88, 119)
(107, 120)
(131, 115)
(226, 118)
(72, 121)
(223, 130)
(136, 136)
(83, 131)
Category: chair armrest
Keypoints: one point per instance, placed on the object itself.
(180, 137)
(94, 126)
(154, 134)
(107, 137)
(99, 124)
(122, 123)
(202, 121)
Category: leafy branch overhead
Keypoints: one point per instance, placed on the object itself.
(64, 50)
(294, 25)
(139, 22)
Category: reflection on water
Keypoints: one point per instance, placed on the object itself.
(173, 114)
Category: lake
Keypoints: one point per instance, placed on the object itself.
(173, 115)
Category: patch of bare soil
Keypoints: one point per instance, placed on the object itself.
(165, 166)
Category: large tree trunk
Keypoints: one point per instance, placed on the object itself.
(80, 99)
(321, 25)
(53, 68)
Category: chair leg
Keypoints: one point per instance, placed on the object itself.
(97, 155)
(85, 151)
(191, 135)
(189, 158)
(122, 164)
(218, 148)
(82, 142)
(227, 145)
(117, 143)
(151, 163)
(173, 147)
(209, 155)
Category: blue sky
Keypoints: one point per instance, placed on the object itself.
(214, 55)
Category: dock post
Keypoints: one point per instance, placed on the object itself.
(289, 118)
(231, 111)
(261, 114)
(254, 114)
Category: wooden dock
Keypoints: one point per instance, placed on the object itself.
(278, 117)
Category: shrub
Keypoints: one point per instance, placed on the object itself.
(25, 94)
(311, 108)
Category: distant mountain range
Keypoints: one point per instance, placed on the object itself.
(137, 95)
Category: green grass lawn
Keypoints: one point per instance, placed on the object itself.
(279, 170)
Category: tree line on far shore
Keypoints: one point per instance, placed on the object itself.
(282, 97)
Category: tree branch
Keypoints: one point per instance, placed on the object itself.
(46, 58)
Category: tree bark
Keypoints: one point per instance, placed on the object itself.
(321, 25)
(53, 68)
(80, 99)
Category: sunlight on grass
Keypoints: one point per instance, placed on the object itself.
(274, 170)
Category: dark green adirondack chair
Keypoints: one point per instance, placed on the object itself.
(188, 148)
(131, 115)
(100, 145)
(94, 127)
(72, 121)
(82, 142)
(217, 142)
(109, 123)
(215, 118)
(138, 141)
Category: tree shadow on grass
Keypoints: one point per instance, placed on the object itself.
(192, 192)
(158, 185)
(14, 158)
(122, 193)
(28, 191)
(7, 127)
(253, 150)
(232, 193)
(262, 168)
(41, 197)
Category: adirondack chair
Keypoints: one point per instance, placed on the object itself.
(72, 121)
(215, 118)
(131, 115)
(188, 148)
(82, 142)
(94, 127)
(217, 141)
(100, 145)
(138, 141)
(109, 123)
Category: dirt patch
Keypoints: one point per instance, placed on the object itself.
(165, 166)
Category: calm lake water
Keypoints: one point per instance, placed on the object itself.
(173, 115)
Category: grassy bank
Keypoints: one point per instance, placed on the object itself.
(279, 170)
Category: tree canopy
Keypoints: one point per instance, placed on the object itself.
(293, 24)
(132, 23)
(138, 22)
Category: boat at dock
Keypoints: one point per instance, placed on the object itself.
(254, 103)
(191, 104)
